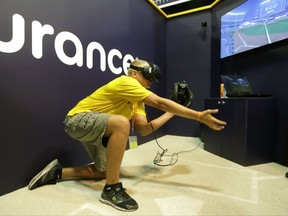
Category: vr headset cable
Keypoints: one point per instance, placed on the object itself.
(173, 157)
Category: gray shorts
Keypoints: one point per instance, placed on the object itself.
(89, 128)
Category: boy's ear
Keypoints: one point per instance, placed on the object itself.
(134, 72)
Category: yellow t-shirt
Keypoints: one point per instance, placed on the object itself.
(122, 96)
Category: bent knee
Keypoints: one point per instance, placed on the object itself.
(118, 123)
(96, 174)
(121, 121)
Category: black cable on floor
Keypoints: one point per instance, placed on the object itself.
(158, 158)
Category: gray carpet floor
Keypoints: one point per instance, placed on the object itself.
(199, 183)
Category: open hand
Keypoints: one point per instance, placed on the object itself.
(207, 118)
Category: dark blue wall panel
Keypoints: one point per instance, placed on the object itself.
(188, 59)
(37, 93)
(266, 70)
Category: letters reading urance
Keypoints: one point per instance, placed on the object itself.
(38, 33)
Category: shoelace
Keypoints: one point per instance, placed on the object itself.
(121, 192)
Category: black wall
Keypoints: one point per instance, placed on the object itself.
(188, 59)
(193, 54)
(36, 93)
(266, 70)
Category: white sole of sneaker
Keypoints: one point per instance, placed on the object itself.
(116, 207)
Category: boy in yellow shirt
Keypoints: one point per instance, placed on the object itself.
(101, 122)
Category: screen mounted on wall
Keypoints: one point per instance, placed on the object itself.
(253, 24)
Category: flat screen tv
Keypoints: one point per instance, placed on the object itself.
(253, 24)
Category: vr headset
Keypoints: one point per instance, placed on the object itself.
(181, 94)
(151, 72)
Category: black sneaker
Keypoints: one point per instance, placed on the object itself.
(49, 175)
(116, 196)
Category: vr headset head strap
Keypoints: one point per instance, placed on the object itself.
(151, 72)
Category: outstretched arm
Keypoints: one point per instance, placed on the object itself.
(170, 106)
